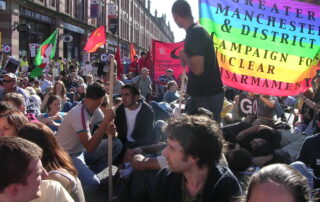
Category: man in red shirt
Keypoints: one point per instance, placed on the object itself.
(142, 62)
(133, 67)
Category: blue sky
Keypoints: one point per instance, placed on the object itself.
(164, 7)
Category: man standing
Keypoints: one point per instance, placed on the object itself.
(86, 147)
(144, 83)
(21, 170)
(194, 147)
(204, 84)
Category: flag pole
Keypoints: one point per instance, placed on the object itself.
(111, 72)
(183, 78)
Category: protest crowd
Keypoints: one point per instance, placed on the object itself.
(183, 137)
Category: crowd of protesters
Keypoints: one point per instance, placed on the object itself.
(169, 142)
(68, 117)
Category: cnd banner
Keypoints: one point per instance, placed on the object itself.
(166, 56)
(269, 47)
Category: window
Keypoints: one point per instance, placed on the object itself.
(67, 6)
(3, 5)
(52, 3)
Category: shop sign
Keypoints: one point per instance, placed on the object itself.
(6, 48)
(104, 57)
(36, 16)
(23, 27)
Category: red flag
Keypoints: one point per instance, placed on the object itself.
(96, 39)
(132, 52)
(119, 63)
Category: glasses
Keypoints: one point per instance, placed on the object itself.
(7, 81)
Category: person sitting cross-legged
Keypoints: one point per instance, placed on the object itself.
(87, 148)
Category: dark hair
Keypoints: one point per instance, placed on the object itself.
(16, 154)
(142, 53)
(51, 99)
(182, 9)
(199, 137)
(54, 157)
(133, 89)
(202, 111)
(284, 175)
(95, 91)
(239, 160)
(5, 107)
(15, 118)
(16, 98)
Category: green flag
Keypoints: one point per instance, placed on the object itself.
(46, 52)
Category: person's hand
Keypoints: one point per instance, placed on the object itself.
(49, 122)
(130, 153)
(183, 55)
(111, 130)
(109, 114)
(57, 117)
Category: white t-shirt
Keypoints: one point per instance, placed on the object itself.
(76, 121)
(53, 191)
(131, 116)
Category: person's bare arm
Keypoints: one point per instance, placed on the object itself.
(92, 142)
(266, 101)
(140, 162)
(195, 63)
(251, 130)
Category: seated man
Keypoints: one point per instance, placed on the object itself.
(265, 111)
(269, 145)
(194, 147)
(88, 151)
(310, 155)
(134, 119)
(21, 170)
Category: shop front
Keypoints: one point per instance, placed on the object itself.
(72, 49)
(41, 26)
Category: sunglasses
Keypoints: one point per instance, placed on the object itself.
(7, 81)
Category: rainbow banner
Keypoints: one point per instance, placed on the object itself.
(264, 46)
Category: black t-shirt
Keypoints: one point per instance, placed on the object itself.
(199, 43)
(310, 153)
(307, 113)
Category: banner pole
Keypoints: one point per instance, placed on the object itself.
(183, 78)
(111, 72)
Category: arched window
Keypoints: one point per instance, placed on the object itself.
(3, 5)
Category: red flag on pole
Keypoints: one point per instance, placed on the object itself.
(119, 63)
(96, 39)
(132, 52)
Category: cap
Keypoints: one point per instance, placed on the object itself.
(169, 70)
(11, 75)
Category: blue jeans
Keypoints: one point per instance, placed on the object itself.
(89, 164)
(213, 103)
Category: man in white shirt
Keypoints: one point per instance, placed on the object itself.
(87, 148)
(134, 119)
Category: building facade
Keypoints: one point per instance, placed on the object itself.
(75, 18)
